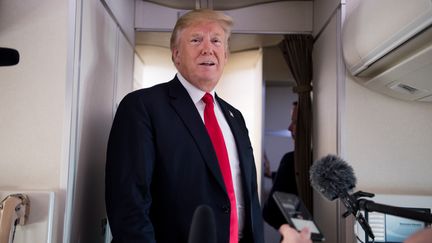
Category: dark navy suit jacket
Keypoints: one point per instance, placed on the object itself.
(161, 166)
(285, 181)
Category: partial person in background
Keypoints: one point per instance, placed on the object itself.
(284, 181)
(178, 145)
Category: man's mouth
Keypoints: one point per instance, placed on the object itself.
(207, 63)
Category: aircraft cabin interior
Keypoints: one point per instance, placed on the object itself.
(360, 70)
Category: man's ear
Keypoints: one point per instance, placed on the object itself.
(175, 56)
(227, 53)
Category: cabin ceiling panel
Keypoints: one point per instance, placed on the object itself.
(278, 17)
(214, 4)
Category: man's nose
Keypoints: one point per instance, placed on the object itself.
(290, 127)
(207, 48)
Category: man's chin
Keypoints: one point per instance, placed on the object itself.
(209, 78)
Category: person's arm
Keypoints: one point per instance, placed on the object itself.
(129, 168)
(283, 182)
(290, 235)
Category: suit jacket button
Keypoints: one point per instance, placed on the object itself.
(226, 209)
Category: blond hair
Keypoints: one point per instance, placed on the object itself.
(201, 15)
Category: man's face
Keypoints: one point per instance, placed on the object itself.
(201, 53)
(293, 126)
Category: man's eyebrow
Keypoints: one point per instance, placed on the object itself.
(196, 34)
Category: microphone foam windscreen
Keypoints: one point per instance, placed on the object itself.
(203, 227)
(8, 56)
(332, 176)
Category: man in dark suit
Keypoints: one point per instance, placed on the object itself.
(284, 179)
(162, 160)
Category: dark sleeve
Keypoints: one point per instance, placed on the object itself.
(283, 182)
(128, 173)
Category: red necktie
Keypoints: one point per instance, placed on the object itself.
(218, 141)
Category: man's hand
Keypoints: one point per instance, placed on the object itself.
(267, 172)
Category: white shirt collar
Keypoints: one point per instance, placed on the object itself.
(195, 93)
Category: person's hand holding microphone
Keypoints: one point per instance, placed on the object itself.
(291, 235)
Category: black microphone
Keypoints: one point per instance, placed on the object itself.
(8, 56)
(203, 226)
(334, 178)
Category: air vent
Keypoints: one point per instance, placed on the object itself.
(404, 88)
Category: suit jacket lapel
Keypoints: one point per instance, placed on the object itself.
(242, 142)
(186, 110)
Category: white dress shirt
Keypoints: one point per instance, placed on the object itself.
(196, 95)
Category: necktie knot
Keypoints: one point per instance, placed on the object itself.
(208, 99)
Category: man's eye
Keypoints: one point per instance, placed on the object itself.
(217, 41)
(195, 41)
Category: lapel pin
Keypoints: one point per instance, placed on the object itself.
(231, 114)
